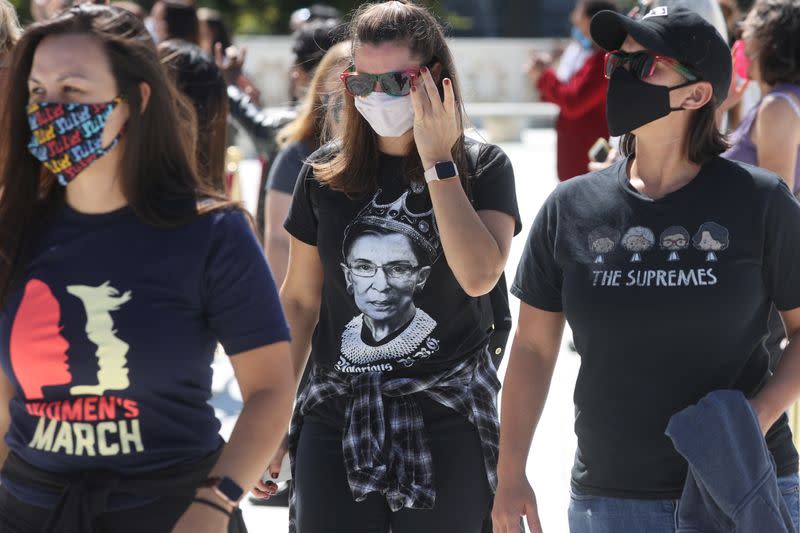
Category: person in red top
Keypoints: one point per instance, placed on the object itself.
(578, 87)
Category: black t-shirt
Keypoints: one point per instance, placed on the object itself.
(390, 302)
(668, 300)
(287, 166)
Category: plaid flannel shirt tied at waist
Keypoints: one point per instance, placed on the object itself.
(403, 471)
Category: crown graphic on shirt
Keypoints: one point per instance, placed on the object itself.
(397, 217)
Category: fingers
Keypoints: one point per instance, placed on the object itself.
(218, 57)
(418, 96)
(274, 468)
(235, 56)
(533, 522)
(449, 97)
(509, 524)
(265, 491)
(430, 87)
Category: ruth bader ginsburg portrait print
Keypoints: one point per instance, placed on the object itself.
(388, 252)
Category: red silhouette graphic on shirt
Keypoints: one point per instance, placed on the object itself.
(38, 351)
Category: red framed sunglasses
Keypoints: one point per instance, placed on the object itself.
(642, 64)
(396, 83)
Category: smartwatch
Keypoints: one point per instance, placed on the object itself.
(225, 488)
(441, 171)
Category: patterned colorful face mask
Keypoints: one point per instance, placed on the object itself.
(67, 138)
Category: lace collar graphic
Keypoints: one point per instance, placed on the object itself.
(357, 352)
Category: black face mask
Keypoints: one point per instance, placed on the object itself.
(632, 103)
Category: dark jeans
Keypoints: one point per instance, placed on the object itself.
(326, 505)
(157, 517)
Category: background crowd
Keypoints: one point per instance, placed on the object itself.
(197, 48)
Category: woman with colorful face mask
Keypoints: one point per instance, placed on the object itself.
(666, 265)
(397, 228)
(580, 94)
(121, 272)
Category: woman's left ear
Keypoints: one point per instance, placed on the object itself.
(144, 90)
(700, 95)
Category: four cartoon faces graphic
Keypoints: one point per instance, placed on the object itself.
(710, 237)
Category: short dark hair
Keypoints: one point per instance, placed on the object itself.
(216, 24)
(703, 142)
(593, 7)
(775, 26)
(312, 40)
(181, 20)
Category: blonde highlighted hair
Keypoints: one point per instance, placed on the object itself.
(10, 30)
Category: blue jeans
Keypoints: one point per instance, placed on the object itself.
(594, 514)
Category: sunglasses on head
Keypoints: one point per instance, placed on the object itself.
(396, 83)
(642, 64)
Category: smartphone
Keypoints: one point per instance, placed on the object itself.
(284, 475)
(599, 151)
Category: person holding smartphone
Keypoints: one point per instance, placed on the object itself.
(581, 97)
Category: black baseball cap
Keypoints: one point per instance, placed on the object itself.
(678, 33)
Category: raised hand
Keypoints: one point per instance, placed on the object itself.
(437, 124)
(230, 62)
(266, 490)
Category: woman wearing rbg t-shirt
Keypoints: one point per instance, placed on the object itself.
(666, 265)
(397, 426)
(120, 274)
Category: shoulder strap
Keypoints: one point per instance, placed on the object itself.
(495, 308)
(792, 102)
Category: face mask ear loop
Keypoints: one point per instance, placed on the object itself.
(681, 86)
(114, 104)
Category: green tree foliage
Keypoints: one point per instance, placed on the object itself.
(23, 10)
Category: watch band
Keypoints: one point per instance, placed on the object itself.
(221, 508)
(442, 170)
(225, 488)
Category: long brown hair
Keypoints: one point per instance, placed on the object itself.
(158, 167)
(352, 168)
(199, 79)
(309, 125)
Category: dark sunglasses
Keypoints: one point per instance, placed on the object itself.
(642, 64)
(393, 83)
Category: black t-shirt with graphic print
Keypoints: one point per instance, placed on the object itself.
(390, 302)
(668, 300)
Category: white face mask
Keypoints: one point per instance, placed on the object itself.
(389, 116)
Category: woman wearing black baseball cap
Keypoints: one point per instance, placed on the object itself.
(665, 265)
